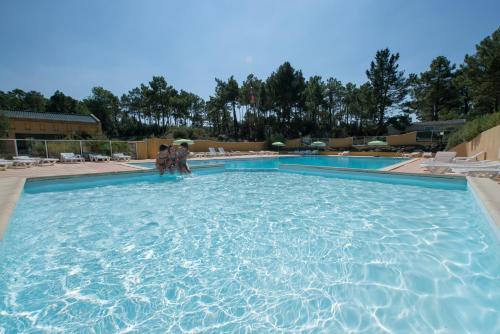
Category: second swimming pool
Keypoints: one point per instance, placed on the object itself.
(328, 161)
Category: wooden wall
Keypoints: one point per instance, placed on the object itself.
(51, 127)
(487, 141)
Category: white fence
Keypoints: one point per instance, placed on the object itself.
(53, 148)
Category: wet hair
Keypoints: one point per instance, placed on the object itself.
(184, 145)
(163, 147)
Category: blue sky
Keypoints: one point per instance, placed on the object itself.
(75, 45)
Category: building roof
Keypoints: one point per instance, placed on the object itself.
(51, 117)
(444, 123)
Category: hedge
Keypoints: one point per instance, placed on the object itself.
(473, 128)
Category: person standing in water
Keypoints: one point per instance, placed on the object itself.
(162, 159)
(182, 154)
(172, 159)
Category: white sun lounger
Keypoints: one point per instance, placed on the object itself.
(345, 153)
(121, 157)
(42, 162)
(440, 162)
(47, 162)
(99, 157)
(4, 164)
(212, 152)
(71, 158)
(462, 164)
(478, 170)
(25, 161)
(25, 158)
(471, 158)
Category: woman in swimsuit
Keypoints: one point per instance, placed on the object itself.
(172, 159)
(182, 154)
(162, 159)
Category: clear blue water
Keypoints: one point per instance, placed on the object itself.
(259, 252)
(331, 161)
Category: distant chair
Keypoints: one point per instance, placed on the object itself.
(212, 152)
(199, 154)
(121, 157)
(345, 153)
(222, 151)
(412, 155)
(71, 158)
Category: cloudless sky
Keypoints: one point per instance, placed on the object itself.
(75, 45)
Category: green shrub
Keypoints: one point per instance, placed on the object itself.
(58, 147)
(180, 133)
(96, 146)
(38, 148)
(186, 132)
(473, 128)
(120, 147)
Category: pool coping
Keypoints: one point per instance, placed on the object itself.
(399, 164)
(11, 187)
(486, 190)
(376, 171)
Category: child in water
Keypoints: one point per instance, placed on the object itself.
(162, 159)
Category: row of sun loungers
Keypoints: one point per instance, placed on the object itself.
(212, 152)
(76, 158)
(305, 152)
(445, 162)
(23, 161)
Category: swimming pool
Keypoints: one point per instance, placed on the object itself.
(248, 252)
(328, 161)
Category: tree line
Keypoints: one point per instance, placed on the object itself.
(287, 105)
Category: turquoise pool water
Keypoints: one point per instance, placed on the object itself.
(331, 161)
(260, 252)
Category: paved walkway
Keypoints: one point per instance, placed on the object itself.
(94, 167)
(411, 167)
(10, 189)
(67, 169)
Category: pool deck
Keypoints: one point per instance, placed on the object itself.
(12, 180)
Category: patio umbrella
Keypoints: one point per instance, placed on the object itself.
(377, 143)
(278, 144)
(180, 141)
(318, 144)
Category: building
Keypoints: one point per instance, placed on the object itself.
(40, 125)
(435, 127)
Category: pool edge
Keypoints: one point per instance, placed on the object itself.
(11, 189)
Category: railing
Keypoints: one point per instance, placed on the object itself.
(52, 148)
